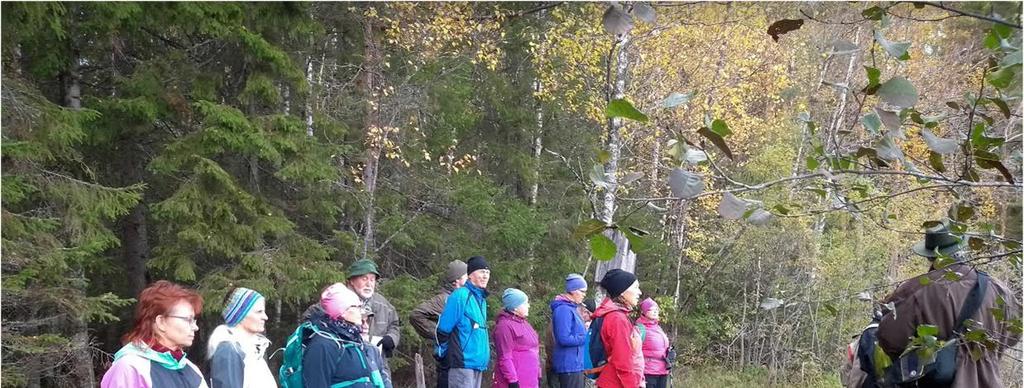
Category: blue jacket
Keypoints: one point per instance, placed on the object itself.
(462, 339)
(570, 336)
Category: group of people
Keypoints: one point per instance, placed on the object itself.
(345, 339)
(455, 321)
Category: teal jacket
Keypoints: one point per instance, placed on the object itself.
(462, 339)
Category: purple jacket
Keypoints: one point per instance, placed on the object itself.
(518, 351)
(655, 348)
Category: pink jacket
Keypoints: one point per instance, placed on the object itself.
(517, 347)
(655, 348)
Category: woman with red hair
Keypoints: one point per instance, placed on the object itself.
(153, 354)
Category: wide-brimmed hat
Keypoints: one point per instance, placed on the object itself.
(938, 241)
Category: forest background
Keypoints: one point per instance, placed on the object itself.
(763, 167)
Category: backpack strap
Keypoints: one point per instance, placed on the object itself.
(972, 303)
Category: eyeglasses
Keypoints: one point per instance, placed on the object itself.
(190, 320)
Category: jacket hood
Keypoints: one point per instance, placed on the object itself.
(561, 300)
(165, 359)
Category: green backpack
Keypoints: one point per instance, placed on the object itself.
(290, 373)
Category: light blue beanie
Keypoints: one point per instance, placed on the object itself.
(512, 298)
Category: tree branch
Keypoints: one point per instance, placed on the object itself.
(946, 8)
(744, 187)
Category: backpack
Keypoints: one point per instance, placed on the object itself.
(910, 368)
(290, 373)
(595, 358)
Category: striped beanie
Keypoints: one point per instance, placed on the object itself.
(238, 305)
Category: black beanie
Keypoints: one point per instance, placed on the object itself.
(476, 262)
(590, 304)
(617, 281)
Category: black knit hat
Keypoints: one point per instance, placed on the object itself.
(476, 262)
(590, 304)
(617, 281)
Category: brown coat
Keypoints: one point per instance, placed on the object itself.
(939, 304)
(424, 317)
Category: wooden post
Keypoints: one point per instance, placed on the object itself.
(421, 382)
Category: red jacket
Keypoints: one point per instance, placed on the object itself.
(622, 345)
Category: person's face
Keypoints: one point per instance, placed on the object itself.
(353, 314)
(578, 295)
(654, 313)
(632, 295)
(523, 310)
(461, 281)
(255, 321)
(176, 329)
(480, 278)
(364, 285)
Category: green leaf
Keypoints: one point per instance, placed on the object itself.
(897, 91)
(874, 13)
(602, 247)
(716, 139)
(623, 108)
(937, 144)
(991, 41)
(927, 330)
(812, 163)
(636, 242)
(924, 280)
(872, 123)
(976, 243)
(982, 142)
(935, 160)
(831, 309)
(588, 228)
(820, 192)
(675, 99)
(882, 360)
(780, 209)
(960, 211)
(1002, 106)
(952, 276)
(783, 26)
(1004, 77)
(685, 184)
(873, 76)
(997, 165)
(603, 156)
(943, 262)
(721, 128)
(897, 50)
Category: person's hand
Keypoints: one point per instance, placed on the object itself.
(388, 345)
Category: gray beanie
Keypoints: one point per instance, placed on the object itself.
(456, 269)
